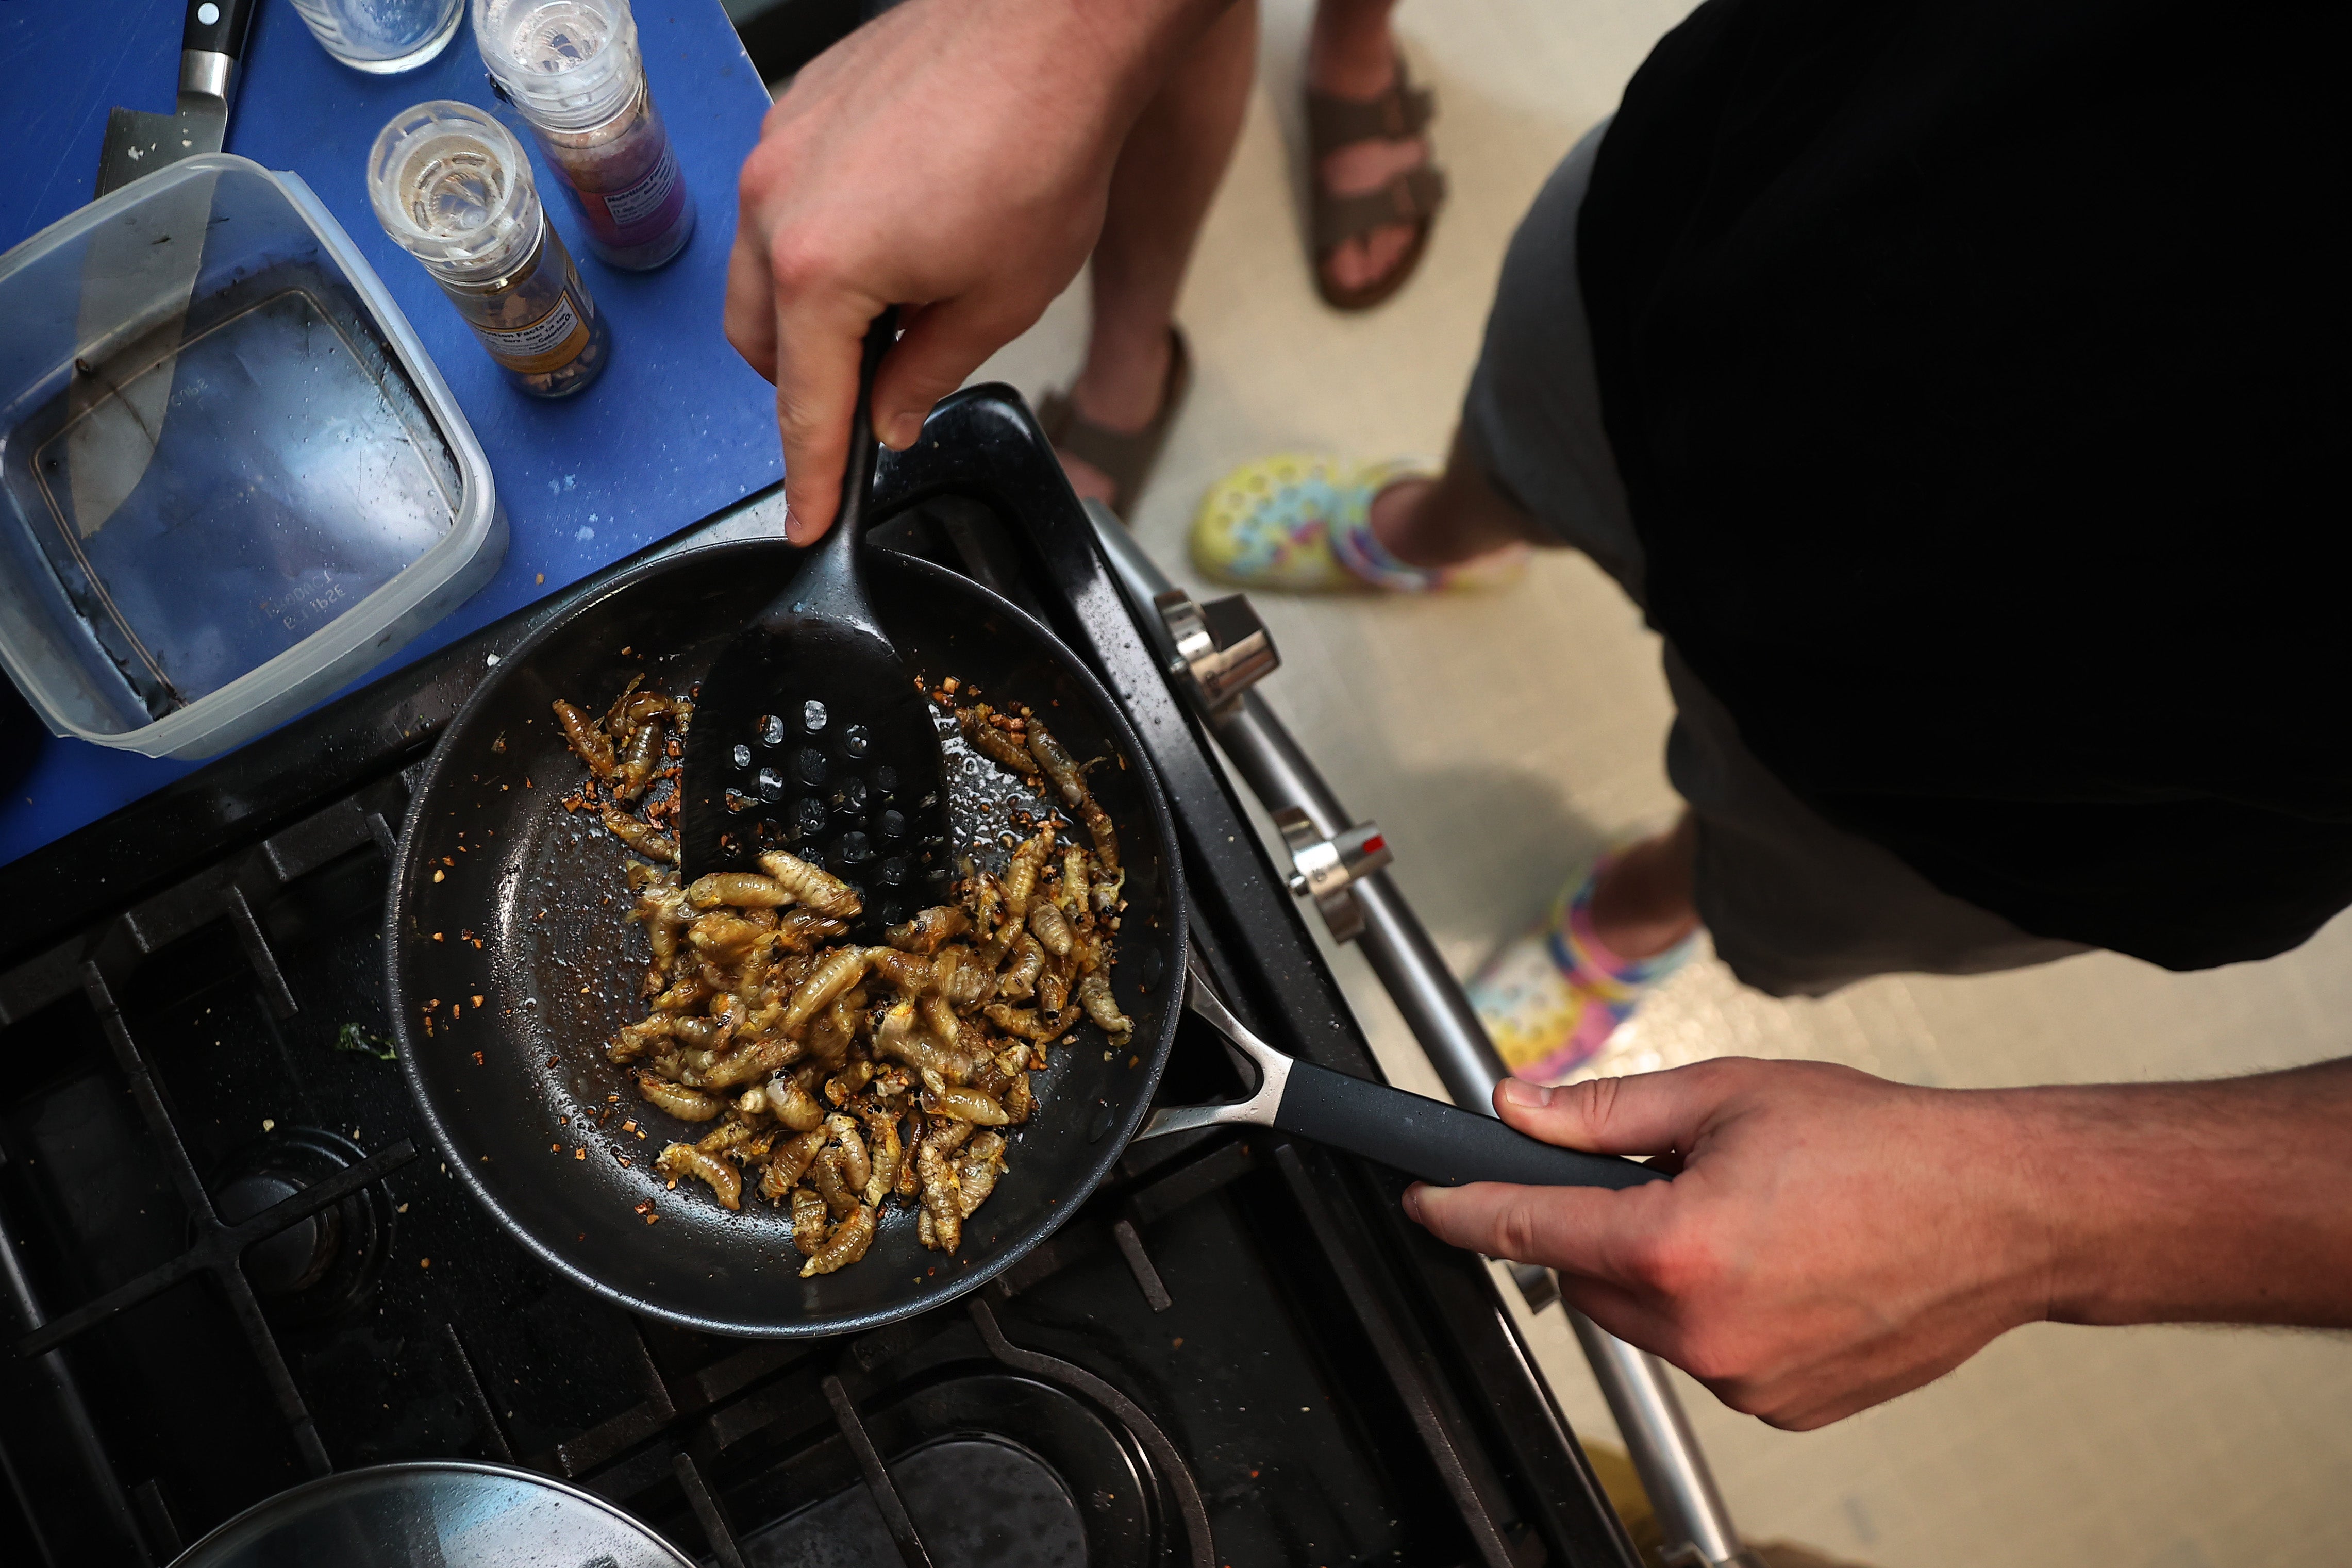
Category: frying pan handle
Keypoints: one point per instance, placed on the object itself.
(1434, 1140)
(1420, 1136)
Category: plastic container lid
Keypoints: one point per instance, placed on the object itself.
(219, 502)
(566, 64)
(442, 1512)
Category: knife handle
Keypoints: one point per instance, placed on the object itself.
(216, 27)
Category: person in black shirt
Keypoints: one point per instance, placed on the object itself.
(1953, 385)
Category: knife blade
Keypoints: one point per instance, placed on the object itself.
(212, 42)
(141, 270)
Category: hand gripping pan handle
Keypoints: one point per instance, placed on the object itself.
(1422, 1137)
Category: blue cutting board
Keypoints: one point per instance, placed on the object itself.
(678, 428)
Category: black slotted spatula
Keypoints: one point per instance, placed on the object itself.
(812, 736)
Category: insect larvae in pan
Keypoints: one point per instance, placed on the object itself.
(846, 1246)
(976, 1172)
(590, 744)
(733, 1136)
(1052, 927)
(803, 1076)
(884, 1151)
(928, 930)
(661, 910)
(1054, 987)
(644, 837)
(640, 756)
(1108, 892)
(939, 1018)
(834, 973)
(756, 1060)
(820, 890)
(856, 1167)
(941, 1226)
(908, 974)
(987, 900)
(744, 890)
(1069, 779)
(964, 1104)
(723, 938)
(970, 985)
(616, 717)
(831, 1184)
(985, 737)
(1093, 996)
(1019, 982)
(1029, 1025)
(843, 1086)
(789, 1163)
(635, 1040)
(809, 1226)
(1021, 874)
(794, 1106)
(680, 1160)
(686, 1104)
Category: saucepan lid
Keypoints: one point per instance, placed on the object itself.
(434, 1514)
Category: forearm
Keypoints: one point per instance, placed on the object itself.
(2222, 1202)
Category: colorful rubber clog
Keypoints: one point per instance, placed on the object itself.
(1300, 523)
(1551, 998)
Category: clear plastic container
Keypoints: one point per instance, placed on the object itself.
(221, 499)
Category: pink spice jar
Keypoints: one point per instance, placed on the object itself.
(573, 71)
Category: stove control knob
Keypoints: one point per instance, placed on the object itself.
(1221, 649)
(1326, 869)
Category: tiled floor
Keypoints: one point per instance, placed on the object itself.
(1500, 739)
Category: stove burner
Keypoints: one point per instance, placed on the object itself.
(977, 1502)
(322, 1264)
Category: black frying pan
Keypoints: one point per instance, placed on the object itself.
(498, 893)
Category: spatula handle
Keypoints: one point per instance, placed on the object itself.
(829, 584)
(857, 473)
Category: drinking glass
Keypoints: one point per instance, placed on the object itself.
(382, 37)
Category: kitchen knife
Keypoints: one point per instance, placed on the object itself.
(212, 42)
(140, 269)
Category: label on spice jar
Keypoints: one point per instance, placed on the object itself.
(636, 214)
(549, 343)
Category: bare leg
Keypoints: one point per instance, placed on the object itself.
(1643, 906)
(1167, 174)
(1351, 54)
(1455, 517)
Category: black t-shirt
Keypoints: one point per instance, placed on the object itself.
(1975, 368)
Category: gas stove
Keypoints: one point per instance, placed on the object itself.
(232, 1259)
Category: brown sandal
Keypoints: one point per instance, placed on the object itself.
(1126, 459)
(1412, 195)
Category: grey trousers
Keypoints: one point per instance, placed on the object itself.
(1796, 906)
